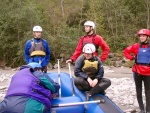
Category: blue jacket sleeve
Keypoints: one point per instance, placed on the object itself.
(47, 57)
(78, 68)
(26, 51)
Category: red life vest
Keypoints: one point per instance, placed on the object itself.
(90, 39)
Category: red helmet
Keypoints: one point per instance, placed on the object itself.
(144, 32)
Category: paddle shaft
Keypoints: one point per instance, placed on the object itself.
(73, 93)
(59, 78)
(77, 103)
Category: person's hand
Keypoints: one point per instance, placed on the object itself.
(69, 60)
(54, 95)
(45, 69)
(94, 82)
(89, 81)
(133, 58)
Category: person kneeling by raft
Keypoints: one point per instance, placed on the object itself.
(29, 91)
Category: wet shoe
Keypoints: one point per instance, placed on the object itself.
(142, 111)
(88, 95)
(103, 93)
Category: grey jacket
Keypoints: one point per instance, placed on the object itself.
(80, 63)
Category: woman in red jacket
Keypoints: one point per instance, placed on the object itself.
(140, 52)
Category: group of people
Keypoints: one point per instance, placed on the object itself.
(35, 92)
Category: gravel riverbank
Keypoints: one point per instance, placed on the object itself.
(121, 92)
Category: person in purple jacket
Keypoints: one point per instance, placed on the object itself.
(29, 91)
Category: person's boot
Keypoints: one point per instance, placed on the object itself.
(142, 111)
(103, 92)
(88, 95)
(140, 101)
(147, 95)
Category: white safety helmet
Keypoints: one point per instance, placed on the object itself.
(89, 48)
(90, 23)
(37, 28)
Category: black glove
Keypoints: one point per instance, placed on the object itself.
(133, 58)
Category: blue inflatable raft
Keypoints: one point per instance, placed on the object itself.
(69, 102)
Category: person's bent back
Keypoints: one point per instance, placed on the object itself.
(29, 91)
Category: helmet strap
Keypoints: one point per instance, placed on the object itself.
(90, 32)
(37, 38)
(146, 41)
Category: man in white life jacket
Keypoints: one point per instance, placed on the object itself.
(89, 73)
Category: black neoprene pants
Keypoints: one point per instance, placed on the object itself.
(83, 84)
(138, 84)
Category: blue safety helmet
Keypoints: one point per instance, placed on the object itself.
(34, 65)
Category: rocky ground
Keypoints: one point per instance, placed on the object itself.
(121, 92)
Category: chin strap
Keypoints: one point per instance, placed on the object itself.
(88, 33)
(146, 41)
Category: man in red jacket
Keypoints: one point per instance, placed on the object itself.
(92, 38)
(140, 52)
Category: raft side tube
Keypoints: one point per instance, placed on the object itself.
(107, 107)
(66, 87)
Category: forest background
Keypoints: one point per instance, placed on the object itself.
(117, 21)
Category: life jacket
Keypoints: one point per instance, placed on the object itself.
(24, 83)
(143, 56)
(37, 49)
(90, 67)
(86, 40)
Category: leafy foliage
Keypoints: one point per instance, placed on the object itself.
(62, 22)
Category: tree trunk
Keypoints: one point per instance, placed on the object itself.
(148, 15)
(62, 8)
(108, 20)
